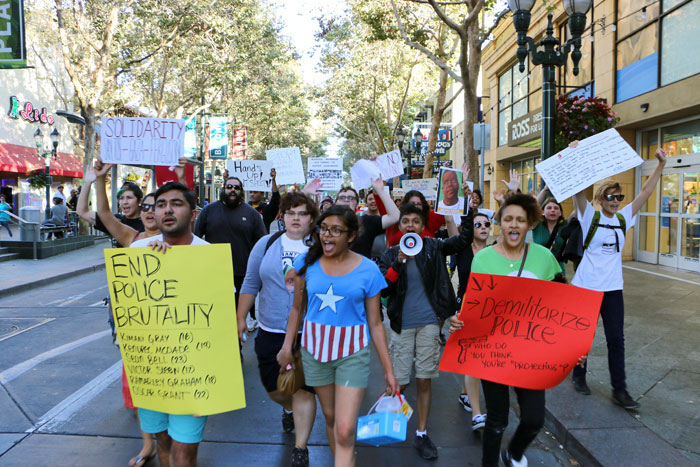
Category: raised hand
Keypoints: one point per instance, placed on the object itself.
(180, 169)
(661, 155)
(514, 183)
(312, 187)
(101, 168)
(378, 185)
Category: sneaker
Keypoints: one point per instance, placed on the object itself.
(478, 421)
(508, 460)
(443, 341)
(252, 324)
(623, 399)
(287, 421)
(581, 386)
(464, 400)
(425, 447)
(300, 457)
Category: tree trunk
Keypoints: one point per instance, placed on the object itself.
(435, 127)
(470, 61)
(90, 115)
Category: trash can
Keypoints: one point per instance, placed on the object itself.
(29, 232)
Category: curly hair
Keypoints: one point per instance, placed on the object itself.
(527, 202)
(425, 206)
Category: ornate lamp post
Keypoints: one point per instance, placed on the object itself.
(417, 143)
(551, 55)
(39, 143)
(400, 138)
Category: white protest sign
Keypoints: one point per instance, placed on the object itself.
(398, 193)
(255, 175)
(427, 186)
(287, 163)
(142, 141)
(329, 170)
(363, 172)
(390, 164)
(595, 158)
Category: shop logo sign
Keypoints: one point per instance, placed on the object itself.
(29, 113)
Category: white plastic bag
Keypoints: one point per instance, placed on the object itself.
(395, 403)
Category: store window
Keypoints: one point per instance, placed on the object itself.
(637, 63)
(513, 89)
(650, 143)
(680, 34)
(682, 138)
(529, 178)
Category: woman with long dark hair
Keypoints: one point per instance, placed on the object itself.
(433, 223)
(339, 291)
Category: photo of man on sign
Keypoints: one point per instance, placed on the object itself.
(450, 193)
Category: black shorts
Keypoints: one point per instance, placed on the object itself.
(267, 346)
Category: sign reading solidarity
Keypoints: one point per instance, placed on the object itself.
(142, 141)
(176, 324)
(255, 175)
(522, 332)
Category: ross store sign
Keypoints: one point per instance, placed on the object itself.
(29, 113)
(526, 128)
(12, 45)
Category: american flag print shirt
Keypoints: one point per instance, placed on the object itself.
(336, 320)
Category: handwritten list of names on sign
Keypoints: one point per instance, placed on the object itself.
(329, 170)
(595, 158)
(521, 332)
(175, 320)
(142, 141)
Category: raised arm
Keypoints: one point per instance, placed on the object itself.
(123, 234)
(542, 195)
(392, 212)
(650, 184)
(83, 207)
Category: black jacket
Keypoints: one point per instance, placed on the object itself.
(431, 262)
(269, 211)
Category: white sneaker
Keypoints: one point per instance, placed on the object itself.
(478, 421)
(251, 323)
(464, 401)
(510, 462)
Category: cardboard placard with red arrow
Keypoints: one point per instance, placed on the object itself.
(521, 332)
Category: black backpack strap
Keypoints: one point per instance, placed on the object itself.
(623, 223)
(272, 239)
(552, 236)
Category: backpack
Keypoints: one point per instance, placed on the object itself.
(574, 243)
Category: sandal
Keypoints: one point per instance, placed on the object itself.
(140, 461)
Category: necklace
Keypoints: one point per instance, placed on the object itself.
(519, 254)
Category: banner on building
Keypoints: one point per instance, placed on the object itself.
(218, 138)
(240, 143)
(12, 46)
(191, 137)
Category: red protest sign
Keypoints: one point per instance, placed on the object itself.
(521, 332)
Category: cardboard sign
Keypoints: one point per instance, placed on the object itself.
(142, 141)
(287, 163)
(427, 186)
(521, 332)
(450, 195)
(390, 164)
(255, 175)
(176, 323)
(595, 158)
(329, 170)
(363, 172)
(398, 193)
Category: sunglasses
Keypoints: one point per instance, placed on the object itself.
(148, 207)
(612, 197)
(486, 224)
(233, 187)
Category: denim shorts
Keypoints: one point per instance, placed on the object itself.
(181, 428)
(351, 371)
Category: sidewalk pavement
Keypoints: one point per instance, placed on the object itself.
(662, 355)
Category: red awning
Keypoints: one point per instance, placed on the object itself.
(23, 159)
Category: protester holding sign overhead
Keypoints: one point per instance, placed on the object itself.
(601, 269)
(342, 290)
(513, 257)
(420, 297)
(267, 210)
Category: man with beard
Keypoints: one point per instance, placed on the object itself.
(178, 436)
(267, 210)
(230, 220)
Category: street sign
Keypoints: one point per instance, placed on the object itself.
(482, 136)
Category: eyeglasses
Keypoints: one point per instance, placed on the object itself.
(333, 231)
(148, 207)
(233, 187)
(612, 197)
(486, 224)
(346, 198)
(296, 214)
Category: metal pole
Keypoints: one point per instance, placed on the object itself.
(47, 174)
(115, 189)
(549, 97)
(482, 150)
(201, 158)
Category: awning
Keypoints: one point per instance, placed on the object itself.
(23, 159)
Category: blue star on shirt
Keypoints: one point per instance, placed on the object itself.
(329, 299)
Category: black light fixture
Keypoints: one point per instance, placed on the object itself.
(38, 141)
(400, 137)
(55, 138)
(551, 54)
(417, 139)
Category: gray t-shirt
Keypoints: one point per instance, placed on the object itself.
(58, 214)
(417, 310)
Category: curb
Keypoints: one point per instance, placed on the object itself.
(570, 443)
(66, 275)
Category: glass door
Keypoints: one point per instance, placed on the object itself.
(689, 234)
(668, 218)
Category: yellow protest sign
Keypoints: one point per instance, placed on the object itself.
(176, 323)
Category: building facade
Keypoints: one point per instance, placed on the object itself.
(638, 56)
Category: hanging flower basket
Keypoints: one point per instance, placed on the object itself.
(37, 179)
(581, 117)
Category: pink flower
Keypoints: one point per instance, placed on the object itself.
(610, 119)
(585, 127)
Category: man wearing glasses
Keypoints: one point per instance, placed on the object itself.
(231, 220)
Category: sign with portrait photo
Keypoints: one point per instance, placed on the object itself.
(450, 195)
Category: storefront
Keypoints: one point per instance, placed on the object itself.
(669, 223)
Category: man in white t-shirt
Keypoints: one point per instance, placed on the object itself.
(178, 436)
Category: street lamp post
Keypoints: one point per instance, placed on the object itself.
(551, 55)
(39, 143)
(418, 143)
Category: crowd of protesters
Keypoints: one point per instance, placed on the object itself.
(331, 277)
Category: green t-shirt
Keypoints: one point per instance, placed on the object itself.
(539, 264)
(541, 234)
